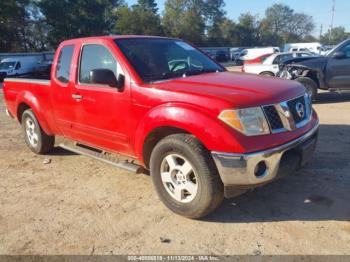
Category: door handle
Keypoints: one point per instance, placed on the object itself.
(77, 97)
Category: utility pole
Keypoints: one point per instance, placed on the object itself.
(321, 31)
(332, 20)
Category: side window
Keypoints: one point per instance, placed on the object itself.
(95, 56)
(18, 66)
(63, 63)
(346, 50)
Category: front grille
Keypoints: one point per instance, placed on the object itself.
(273, 117)
(292, 104)
(287, 115)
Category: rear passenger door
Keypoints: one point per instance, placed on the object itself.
(102, 112)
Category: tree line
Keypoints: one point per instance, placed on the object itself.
(38, 25)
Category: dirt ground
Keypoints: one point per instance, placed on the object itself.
(76, 205)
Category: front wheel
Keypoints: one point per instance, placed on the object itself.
(185, 176)
(310, 86)
(37, 140)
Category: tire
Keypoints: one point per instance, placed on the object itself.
(36, 139)
(267, 74)
(310, 85)
(200, 176)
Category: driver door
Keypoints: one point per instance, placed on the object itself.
(102, 112)
(338, 70)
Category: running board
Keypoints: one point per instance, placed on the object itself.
(339, 91)
(103, 156)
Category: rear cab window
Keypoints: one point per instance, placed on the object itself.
(64, 61)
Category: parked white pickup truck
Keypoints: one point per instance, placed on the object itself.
(270, 66)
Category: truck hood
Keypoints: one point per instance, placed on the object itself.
(296, 60)
(317, 63)
(238, 89)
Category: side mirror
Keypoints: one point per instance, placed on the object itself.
(339, 55)
(104, 77)
(120, 81)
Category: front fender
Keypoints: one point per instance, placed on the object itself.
(314, 73)
(28, 98)
(208, 129)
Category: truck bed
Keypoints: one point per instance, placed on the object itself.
(37, 91)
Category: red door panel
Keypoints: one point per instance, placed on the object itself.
(102, 117)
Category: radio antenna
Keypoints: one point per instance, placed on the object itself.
(332, 20)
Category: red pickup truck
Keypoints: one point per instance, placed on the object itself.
(162, 105)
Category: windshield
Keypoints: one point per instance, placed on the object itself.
(157, 59)
(7, 65)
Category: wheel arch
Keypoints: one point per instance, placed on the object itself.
(20, 110)
(167, 120)
(267, 72)
(27, 101)
(314, 76)
(154, 137)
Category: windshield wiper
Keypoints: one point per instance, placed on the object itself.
(163, 76)
(192, 72)
(180, 73)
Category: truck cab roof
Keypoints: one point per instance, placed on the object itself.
(110, 37)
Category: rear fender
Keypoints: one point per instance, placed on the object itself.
(28, 98)
(212, 133)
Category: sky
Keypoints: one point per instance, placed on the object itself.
(319, 9)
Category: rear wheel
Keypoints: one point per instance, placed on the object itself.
(267, 74)
(37, 140)
(310, 85)
(185, 176)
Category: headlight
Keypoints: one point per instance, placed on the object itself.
(248, 121)
(10, 71)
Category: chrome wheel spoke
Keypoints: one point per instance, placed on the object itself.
(186, 168)
(35, 136)
(191, 187)
(166, 177)
(178, 193)
(30, 130)
(171, 161)
(179, 178)
(31, 125)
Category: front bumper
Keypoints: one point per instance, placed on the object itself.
(254, 169)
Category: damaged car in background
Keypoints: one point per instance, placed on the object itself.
(330, 72)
